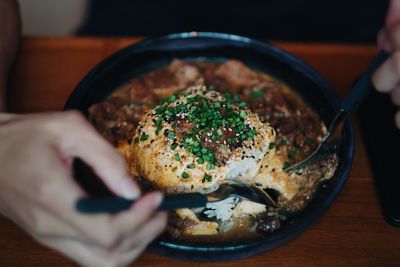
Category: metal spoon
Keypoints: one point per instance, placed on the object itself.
(333, 138)
(93, 205)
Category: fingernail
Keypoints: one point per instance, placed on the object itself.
(129, 189)
(158, 199)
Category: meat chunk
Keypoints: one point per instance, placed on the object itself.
(185, 73)
(235, 76)
(139, 92)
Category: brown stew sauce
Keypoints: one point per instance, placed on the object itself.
(298, 127)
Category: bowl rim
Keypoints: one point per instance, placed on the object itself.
(218, 253)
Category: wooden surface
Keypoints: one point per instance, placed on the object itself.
(351, 233)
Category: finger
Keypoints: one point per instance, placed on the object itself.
(57, 194)
(139, 213)
(397, 119)
(395, 95)
(48, 224)
(139, 241)
(146, 234)
(108, 232)
(388, 74)
(81, 140)
(393, 14)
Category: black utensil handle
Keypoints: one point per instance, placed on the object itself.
(116, 204)
(362, 86)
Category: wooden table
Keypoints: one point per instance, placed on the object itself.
(351, 233)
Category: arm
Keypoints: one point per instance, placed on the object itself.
(9, 43)
(37, 188)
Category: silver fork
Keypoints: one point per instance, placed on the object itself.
(333, 138)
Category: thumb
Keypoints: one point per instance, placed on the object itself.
(80, 139)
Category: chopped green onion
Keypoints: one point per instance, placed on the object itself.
(256, 94)
(285, 165)
(172, 98)
(171, 135)
(217, 104)
(206, 157)
(251, 133)
(185, 175)
(207, 178)
(242, 104)
(144, 137)
(191, 166)
(271, 145)
(163, 100)
(210, 166)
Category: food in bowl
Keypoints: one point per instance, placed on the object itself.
(192, 126)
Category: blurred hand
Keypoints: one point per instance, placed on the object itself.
(38, 192)
(387, 77)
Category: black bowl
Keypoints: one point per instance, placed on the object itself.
(203, 46)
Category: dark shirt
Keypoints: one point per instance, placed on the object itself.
(300, 20)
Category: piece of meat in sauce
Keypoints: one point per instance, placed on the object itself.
(117, 117)
(267, 99)
(177, 75)
(298, 127)
(232, 76)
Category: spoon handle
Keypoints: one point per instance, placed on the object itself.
(93, 205)
(361, 89)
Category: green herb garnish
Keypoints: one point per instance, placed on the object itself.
(207, 178)
(185, 175)
(171, 135)
(191, 166)
(271, 145)
(209, 120)
(282, 141)
(144, 137)
(285, 165)
(210, 166)
(256, 94)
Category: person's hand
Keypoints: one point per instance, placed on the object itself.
(38, 192)
(387, 77)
